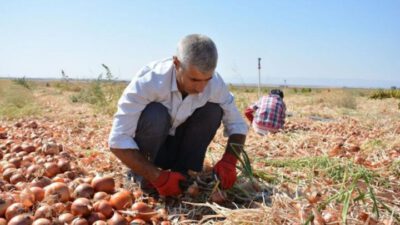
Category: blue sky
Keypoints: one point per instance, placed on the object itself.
(343, 43)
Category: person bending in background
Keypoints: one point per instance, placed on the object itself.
(170, 112)
(268, 113)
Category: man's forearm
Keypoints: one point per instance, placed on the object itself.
(235, 143)
(137, 162)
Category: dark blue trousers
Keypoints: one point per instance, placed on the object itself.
(187, 148)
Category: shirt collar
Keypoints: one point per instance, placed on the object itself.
(174, 85)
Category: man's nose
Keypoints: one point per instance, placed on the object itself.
(200, 87)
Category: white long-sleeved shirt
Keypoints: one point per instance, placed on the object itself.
(156, 82)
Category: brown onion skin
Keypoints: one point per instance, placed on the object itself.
(144, 211)
(121, 200)
(4, 221)
(66, 218)
(117, 219)
(23, 219)
(101, 195)
(95, 216)
(5, 202)
(44, 211)
(41, 221)
(81, 207)
(104, 207)
(106, 184)
(38, 192)
(14, 210)
(58, 190)
(41, 182)
(100, 222)
(79, 221)
(84, 191)
(138, 221)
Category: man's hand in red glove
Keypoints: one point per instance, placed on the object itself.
(249, 114)
(167, 183)
(226, 170)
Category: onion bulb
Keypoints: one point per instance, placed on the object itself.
(101, 195)
(81, 207)
(104, 207)
(105, 184)
(15, 209)
(66, 218)
(79, 221)
(143, 210)
(122, 199)
(84, 191)
(44, 211)
(41, 221)
(57, 190)
(23, 219)
(117, 219)
(218, 197)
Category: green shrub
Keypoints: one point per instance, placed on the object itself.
(23, 82)
(381, 94)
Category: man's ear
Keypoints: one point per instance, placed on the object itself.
(177, 63)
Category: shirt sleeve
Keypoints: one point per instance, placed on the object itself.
(130, 106)
(232, 119)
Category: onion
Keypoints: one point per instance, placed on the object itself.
(138, 221)
(66, 218)
(28, 148)
(16, 148)
(105, 184)
(59, 207)
(84, 191)
(4, 221)
(137, 194)
(51, 169)
(81, 207)
(64, 165)
(101, 195)
(122, 199)
(95, 216)
(7, 173)
(79, 221)
(193, 190)
(144, 211)
(5, 202)
(103, 207)
(117, 219)
(218, 197)
(98, 222)
(14, 210)
(42, 221)
(32, 169)
(23, 219)
(41, 182)
(44, 211)
(16, 161)
(38, 192)
(58, 190)
(17, 177)
(27, 197)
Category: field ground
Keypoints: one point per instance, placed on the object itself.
(338, 158)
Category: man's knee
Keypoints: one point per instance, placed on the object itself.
(213, 111)
(154, 119)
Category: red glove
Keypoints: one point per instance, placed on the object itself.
(226, 170)
(167, 183)
(249, 114)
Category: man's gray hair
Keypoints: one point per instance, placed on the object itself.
(199, 51)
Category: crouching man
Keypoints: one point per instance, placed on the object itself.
(170, 112)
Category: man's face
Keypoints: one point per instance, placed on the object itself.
(189, 79)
